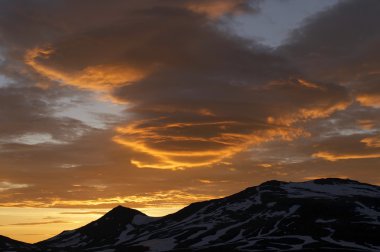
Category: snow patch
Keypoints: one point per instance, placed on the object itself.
(370, 213)
(239, 206)
(124, 235)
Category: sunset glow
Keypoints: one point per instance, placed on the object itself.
(155, 104)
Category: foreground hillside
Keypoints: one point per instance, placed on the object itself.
(319, 215)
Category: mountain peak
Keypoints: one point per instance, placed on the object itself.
(119, 207)
(122, 212)
(272, 183)
(335, 181)
(108, 227)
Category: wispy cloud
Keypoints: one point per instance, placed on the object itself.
(86, 212)
(37, 223)
(5, 185)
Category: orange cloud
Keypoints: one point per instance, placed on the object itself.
(309, 84)
(216, 8)
(205, 181)
(335, 157)
(313, 113)
(265, 165)
(366, 124)
(369, 100)
(186, 145)
(372, 141)
(98, 77)
(87, 212)
(37, 223)
(168, 198)
(5, 185)
(308, 113)
(324, 100)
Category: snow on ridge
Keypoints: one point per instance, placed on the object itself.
(124, 235)
(311, 189)
(242, 205)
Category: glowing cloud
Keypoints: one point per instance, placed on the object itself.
(170, 198)
(372, 141)
(309, 84)
(308, 113)
(217, 8)
(335, 157)
(193, 144)
(366, 124)
(98, 77)
(5, 185)
(369, 100)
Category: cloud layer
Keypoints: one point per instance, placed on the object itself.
(194, 102)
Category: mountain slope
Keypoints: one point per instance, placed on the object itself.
(8, 245)
(329, 214)
(319, 215)
(102, 232)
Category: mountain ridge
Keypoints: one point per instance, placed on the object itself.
(329, 214)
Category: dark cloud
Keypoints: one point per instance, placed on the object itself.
(194, 96)
(340, 45)
(355, 146)
(197, 92)
(345, 33)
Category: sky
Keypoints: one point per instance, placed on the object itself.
(156, 104)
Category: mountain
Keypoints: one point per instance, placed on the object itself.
(318, 215)
(105, 231)
(10, 245)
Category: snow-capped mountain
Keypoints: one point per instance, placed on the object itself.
(318, 215)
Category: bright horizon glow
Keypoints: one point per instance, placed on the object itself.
(36, 224)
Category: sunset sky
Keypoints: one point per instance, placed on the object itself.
(154, 104)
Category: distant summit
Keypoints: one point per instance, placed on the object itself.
(320, 215)
(334, 181)
(107, 228)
